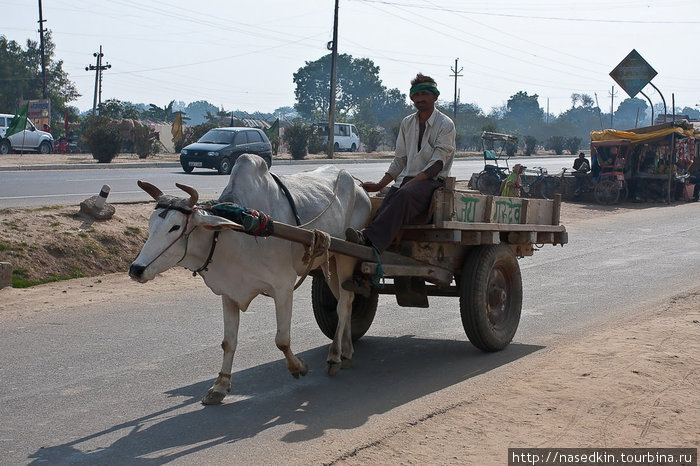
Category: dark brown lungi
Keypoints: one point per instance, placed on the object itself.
(401, 206)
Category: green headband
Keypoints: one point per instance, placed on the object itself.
(424, 87)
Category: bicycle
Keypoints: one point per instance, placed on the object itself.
(537, 183)
(490, 178)
(609, 188)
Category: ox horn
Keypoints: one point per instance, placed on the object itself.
(150, 189)
(194, 195)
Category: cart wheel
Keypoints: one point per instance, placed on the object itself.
(607, 191)
(489, 183)
(490, 296)
(324, 306)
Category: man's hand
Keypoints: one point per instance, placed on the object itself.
(371, 187)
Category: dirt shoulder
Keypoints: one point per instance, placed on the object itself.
(634, 384)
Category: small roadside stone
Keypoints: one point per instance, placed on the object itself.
(89, 207)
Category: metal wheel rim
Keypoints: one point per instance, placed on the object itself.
(498, 297)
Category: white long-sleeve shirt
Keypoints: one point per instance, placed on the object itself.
(438, 143)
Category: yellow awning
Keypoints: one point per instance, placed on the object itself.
(611, 134)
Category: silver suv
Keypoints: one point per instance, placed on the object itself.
(31, 139)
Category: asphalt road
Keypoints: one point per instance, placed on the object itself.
(37, 188)
(120, 382)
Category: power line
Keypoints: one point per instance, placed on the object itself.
(548, 18)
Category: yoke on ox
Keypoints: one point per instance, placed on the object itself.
(242, 266)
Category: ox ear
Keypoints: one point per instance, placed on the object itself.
(154, 192)
(214, 222)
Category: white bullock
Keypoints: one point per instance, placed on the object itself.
(243, 266)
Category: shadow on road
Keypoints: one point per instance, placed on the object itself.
(388, 373)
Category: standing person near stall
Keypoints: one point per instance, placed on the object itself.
(425, 149)
(512, 185)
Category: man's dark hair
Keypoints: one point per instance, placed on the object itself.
(421, 78)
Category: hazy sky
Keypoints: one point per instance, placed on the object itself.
(242, 54)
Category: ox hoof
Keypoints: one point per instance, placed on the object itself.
(345, 363)
(213, 398)
(332, 367)
(303, 370)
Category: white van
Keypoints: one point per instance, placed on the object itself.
(31, 139)
(345, 137)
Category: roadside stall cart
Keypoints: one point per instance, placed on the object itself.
(645, 161)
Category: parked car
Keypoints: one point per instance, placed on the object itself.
(345, 137)
(31, 139)
(220, 147)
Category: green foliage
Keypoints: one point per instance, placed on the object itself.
(103, 139)
(316, 144)
(359, 92)
(297, 137)
(572, 144)
(511, 149)
(132, 231)
(197, 111)
(631, 112)
(114, 108)
(166, 114)
(530, 145)
(20, 278)
(371, 137)
(357, 80)
(556, 143)
(21, 77)
(145, 140)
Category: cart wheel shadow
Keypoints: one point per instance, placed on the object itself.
(387, 373)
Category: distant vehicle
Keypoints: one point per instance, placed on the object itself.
(31, 139)
(220, 147)
(345, 138)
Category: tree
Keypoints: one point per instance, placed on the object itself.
(197, 111)
(297, 138)
(21, 77)
(691, 112)
(166, 114)
(587, 101)
(556, 143)
(524, 107)
(572, 144)
(530, 145)
(358, 80)
(631, 112)
(115, 108)
(103, 138)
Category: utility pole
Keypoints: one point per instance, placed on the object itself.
(333, 46)
(456, 74)
(613, 94)
(43, 57)
(98, 68)
(547, 119)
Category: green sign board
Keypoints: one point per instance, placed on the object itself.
(633, 73)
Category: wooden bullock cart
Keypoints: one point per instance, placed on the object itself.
(469, 249)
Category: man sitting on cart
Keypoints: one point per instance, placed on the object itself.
(425, 149)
